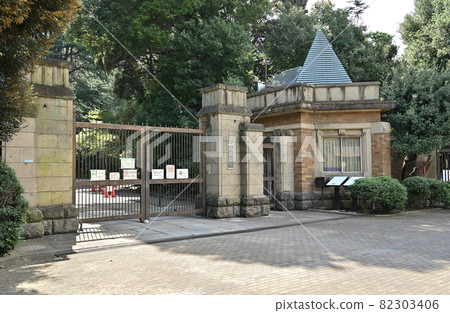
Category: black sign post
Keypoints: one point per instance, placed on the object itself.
(337, 182)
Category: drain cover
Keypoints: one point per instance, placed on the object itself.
(42, 258)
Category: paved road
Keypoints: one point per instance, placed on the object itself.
(407, 254)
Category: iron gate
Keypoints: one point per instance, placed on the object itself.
(126, 171)
(269, 173)
(443, 164)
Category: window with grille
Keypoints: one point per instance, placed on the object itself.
(342, 155)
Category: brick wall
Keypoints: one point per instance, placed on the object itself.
(381, 154)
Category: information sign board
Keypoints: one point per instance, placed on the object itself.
(182, 173)
(337, 181)
(129, 174)
(157, 174)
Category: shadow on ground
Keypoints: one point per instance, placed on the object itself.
(417, 242)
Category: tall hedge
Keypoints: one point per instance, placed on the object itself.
(385, 191)
(13, 208)
(418, 192)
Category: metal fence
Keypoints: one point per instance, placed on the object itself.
(124, 171)
(443, 164)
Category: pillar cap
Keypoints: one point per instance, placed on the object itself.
(224, 87)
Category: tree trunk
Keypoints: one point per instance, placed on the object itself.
(409, 166)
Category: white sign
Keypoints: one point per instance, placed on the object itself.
(157, 174)
(127, 163)
(170, 171)
(98, 175)
(337, 181)
(129, 174)
(114, 176)
(351, 181)
(182, 173)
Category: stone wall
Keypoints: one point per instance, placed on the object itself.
(42, 153)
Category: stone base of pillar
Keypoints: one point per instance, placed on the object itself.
(284, 201)
(248, 206)
(60, 219)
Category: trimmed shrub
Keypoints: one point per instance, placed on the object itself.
(385, 191)
(13, 209)
(418, 192)
(439, 193)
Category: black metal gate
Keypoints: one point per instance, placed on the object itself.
(269, 173)
(443, 164)
(126, 171)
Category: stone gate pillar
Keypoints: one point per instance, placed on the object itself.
(234, 169)
(42, 153)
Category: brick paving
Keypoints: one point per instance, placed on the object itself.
(408, 254)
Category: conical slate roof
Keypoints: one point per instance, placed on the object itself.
(322, 66)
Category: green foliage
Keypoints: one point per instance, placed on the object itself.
(384, 191)
(439, 193)
(13, 208)
(27, 30)
(204, 53)
(418, 192)
(427, 36)
(420, 119)
(92, 86)
(186, 45)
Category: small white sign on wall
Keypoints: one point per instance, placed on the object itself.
(128, 163)
(182, 173)
(157, 174)
(170, 171)
(114, 176)
(98, 175)
(129, 174)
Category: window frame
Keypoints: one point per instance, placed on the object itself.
(361, 171)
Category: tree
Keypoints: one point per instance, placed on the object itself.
(27, 30)
(426, 33)
(92, 85)
(184, 44)
(420, 119)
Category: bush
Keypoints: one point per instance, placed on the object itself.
(385, 191)
(439, 193)
(13, 208)
(418, 192)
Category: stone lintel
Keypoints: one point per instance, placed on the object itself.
(224, 109)
(251, 127)
(53, 62)
(59, 92)
(224, 87)
(328, 106)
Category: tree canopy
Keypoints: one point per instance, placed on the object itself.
(426, 33)
(420, 119)
(27, 30)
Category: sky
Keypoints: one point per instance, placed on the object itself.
(382, 15)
